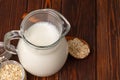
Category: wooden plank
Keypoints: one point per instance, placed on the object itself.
(10, 15)
(108, 39)
(40, 4)
(83, 26)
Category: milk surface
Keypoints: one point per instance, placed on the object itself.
(42, 62)
(42, 34)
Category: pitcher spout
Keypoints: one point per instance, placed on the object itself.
(64, 22)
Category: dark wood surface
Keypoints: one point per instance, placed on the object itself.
(96, 21)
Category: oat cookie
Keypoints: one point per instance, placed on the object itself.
(78, 48)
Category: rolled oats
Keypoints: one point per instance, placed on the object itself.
(10, 72)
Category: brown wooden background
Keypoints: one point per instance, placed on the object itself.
(96, 21)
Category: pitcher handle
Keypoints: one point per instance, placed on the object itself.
(15, 34)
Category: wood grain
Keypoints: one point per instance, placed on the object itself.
(95, 21)
(108, 40)
(83, 26)
(10, 15)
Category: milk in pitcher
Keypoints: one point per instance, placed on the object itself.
(42, 62)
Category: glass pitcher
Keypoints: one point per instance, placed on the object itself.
(42, 48)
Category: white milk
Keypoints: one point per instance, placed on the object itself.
(42, 62)
(42, 34)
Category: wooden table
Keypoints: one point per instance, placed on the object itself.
(96, 21)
